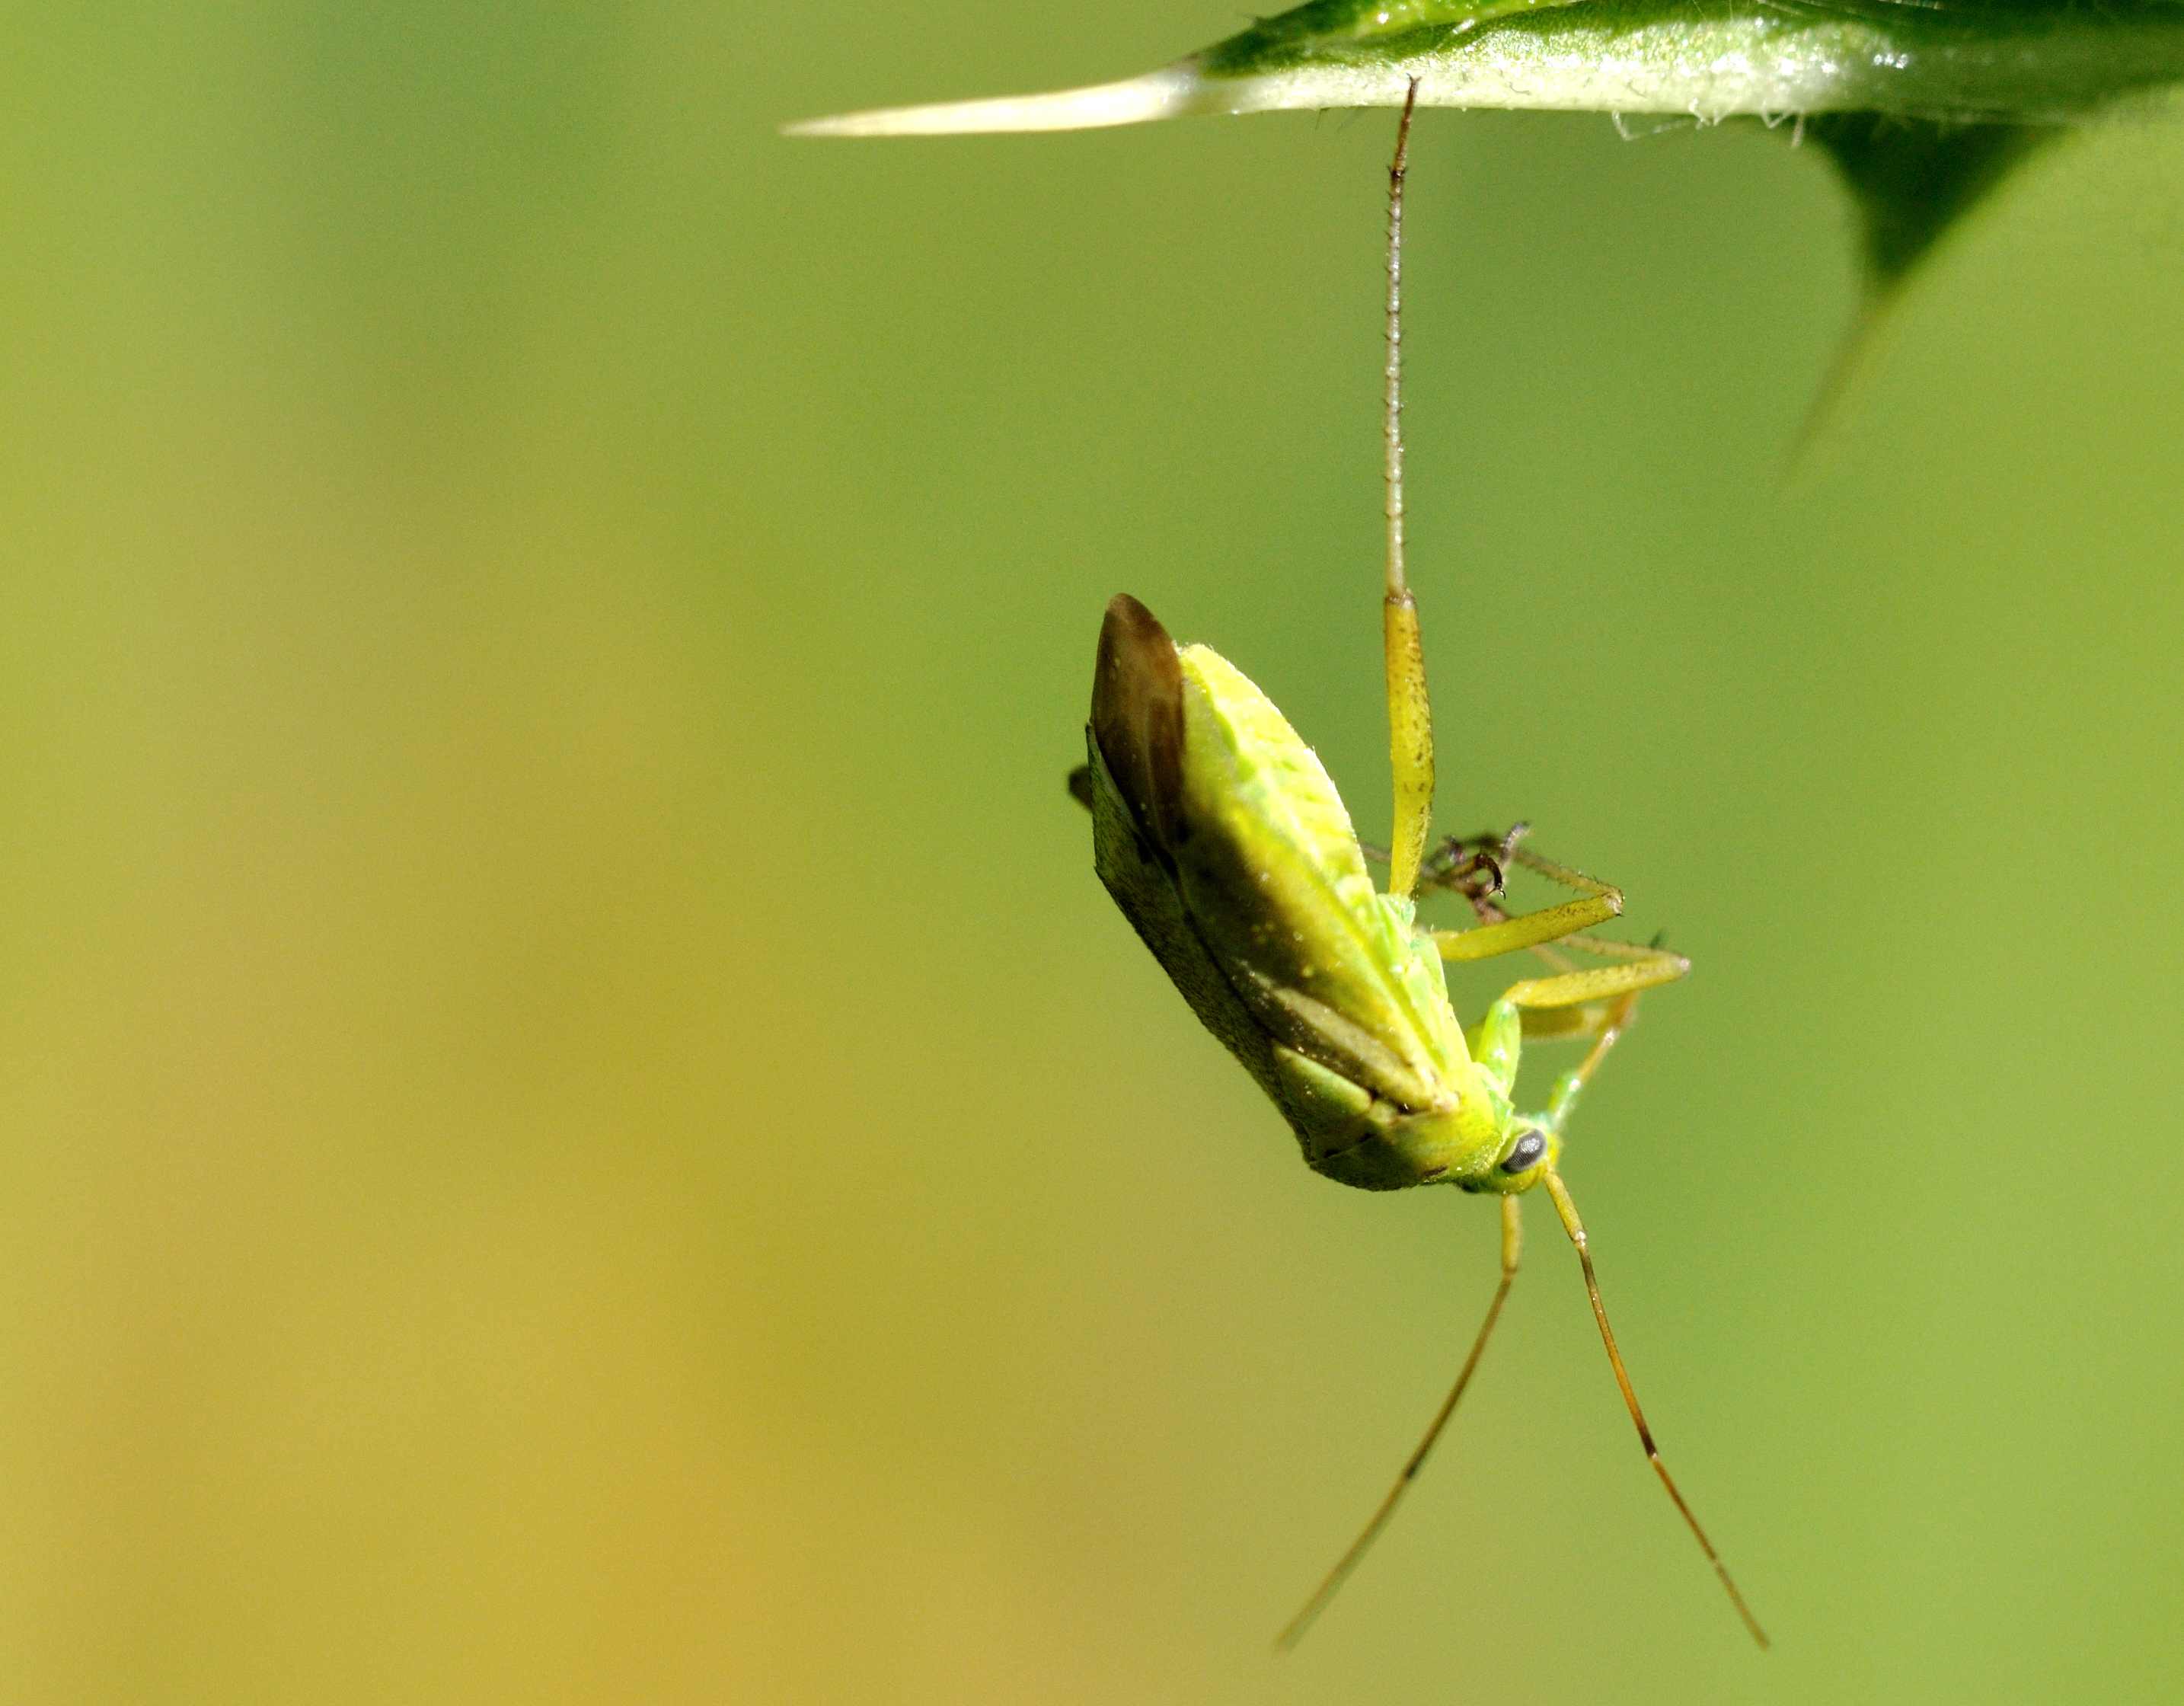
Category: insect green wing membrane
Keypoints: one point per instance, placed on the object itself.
(1279, 884)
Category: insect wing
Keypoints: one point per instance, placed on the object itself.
(1137, 720)
(1134, 750)
(1222, 837)
(1277, 885)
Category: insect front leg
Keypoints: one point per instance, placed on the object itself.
(1496, 1043)
(1641, 969)
(1563, 1100)
(1501, 934)
(1570, 1003)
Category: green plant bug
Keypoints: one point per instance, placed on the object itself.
(1221, 837)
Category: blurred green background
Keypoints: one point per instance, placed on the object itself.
(577, 1126)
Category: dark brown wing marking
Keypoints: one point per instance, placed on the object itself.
(1137, 719)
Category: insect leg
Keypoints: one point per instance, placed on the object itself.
(1513, 1245)
(1503, 934)
(1552, 1008)
(1528, 929)
(1610, 1021)
(1592, 1018)
(1646, 968)
(1410, 714)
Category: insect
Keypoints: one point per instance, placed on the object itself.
(1220, 835)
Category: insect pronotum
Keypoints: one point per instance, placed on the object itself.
(1220, 836)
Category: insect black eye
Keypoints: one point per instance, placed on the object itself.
(1529, 1148)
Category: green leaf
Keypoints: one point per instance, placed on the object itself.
(1992, 60)
(1924, 106)
(1913, 179)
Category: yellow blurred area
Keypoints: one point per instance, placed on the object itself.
(574, 1125)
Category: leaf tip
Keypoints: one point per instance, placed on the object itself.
(1166, 94)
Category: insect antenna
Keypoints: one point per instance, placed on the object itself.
(1513, 1238)
(1575, 1227)
(1410, 714)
